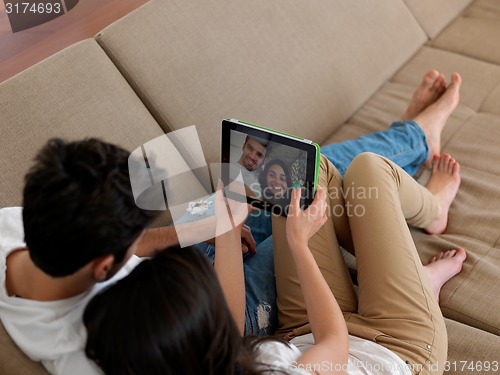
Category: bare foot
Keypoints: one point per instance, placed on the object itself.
(444, 184)
(431, 88)
(443, 267)
(433, 118)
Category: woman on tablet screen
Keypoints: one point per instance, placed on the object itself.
(275, 180)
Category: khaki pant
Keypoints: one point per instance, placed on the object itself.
(370, 210)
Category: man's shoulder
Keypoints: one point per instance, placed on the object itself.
(6, 212)
(49, 332)
(11, 228)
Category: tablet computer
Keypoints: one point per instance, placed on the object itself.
(271, 164)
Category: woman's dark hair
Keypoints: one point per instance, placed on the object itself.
(78, 205)
(169, 316)
(263, 177)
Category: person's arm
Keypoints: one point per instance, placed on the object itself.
(228, 255)
(155, 239)
(325, 317)
(248, 244)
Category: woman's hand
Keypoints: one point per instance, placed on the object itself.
(230, 214)
(302, 225)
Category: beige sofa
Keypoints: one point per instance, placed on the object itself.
(327, 70)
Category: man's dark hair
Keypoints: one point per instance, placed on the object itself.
(78, 205)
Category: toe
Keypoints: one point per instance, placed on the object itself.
(456, 79)
(435, 163)
(440, 82)
(430, 77)
(449, 166)
(442, 162)
(446, 162)
(461, 254)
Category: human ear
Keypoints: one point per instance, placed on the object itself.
(102, 266)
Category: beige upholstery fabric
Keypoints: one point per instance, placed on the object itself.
(294, 67)
(475, 33)
(434, 15)
(470, 350)
(471, 135)
(13, 360)
(74, 94)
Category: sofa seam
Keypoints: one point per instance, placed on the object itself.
(141, 95)
(443, 49)
(471, 318)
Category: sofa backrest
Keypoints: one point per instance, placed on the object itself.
(302, 67)
(434, 15)
(73, 94)
(474, 33)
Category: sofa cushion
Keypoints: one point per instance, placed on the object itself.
(433, 15)
(74, 94)
(297, 68)
(470, 350)
(471, 135)
(475, 33)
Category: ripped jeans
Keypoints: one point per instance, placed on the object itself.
(261, 317)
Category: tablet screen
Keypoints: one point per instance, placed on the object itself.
(270, 163)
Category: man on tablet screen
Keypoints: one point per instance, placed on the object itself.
(253, 156)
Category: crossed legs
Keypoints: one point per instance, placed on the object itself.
(396, 304)
(414, 140)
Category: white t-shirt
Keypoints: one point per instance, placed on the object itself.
(50, 332)
(251, 179)
(365, 357)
